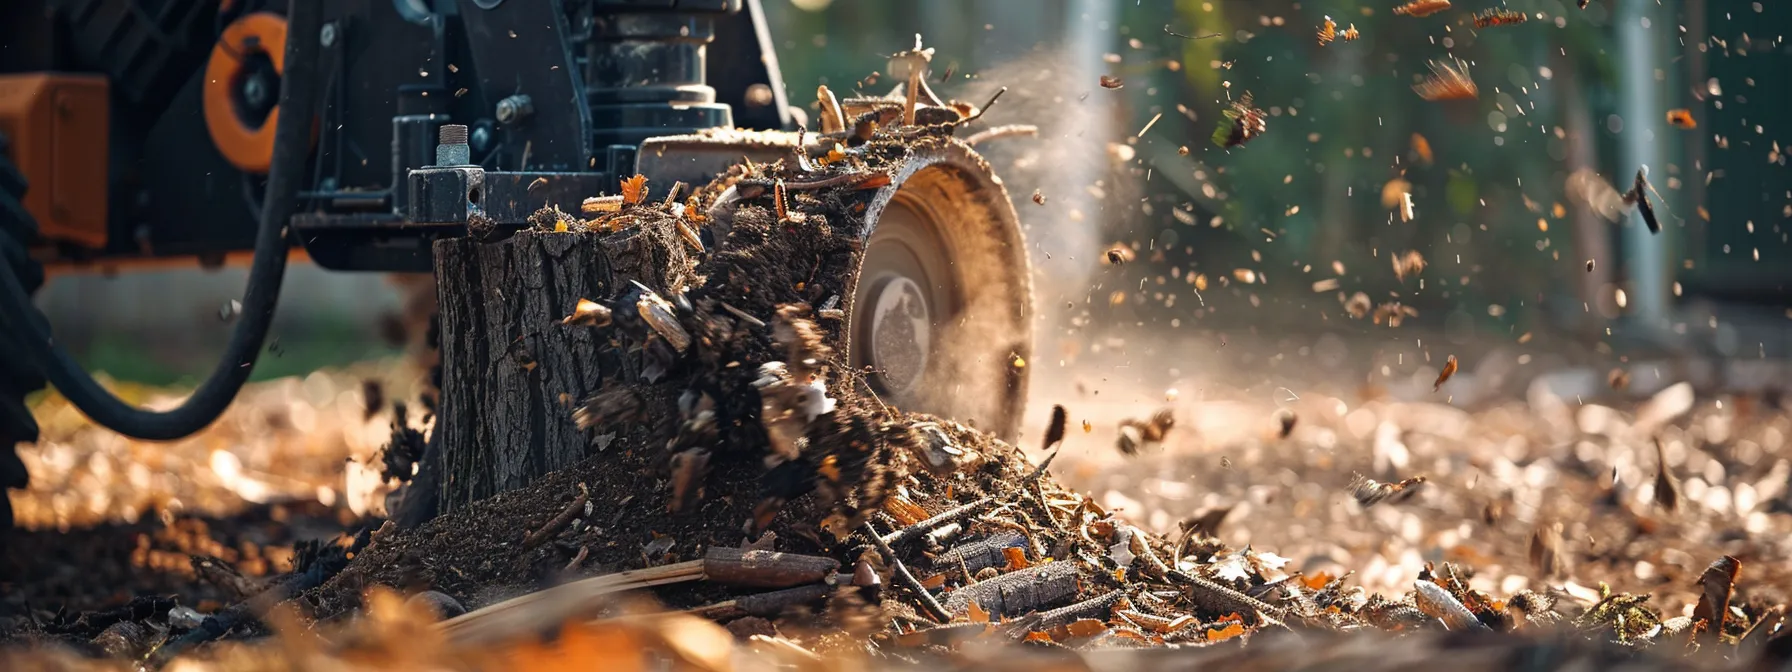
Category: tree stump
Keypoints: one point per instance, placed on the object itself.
(511, 373)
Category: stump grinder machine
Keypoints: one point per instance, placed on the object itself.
(357, 133)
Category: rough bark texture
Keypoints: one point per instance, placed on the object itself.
(511, 373)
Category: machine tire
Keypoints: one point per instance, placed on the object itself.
(946, 229)
(18, 375)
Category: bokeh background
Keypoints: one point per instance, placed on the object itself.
(1503, 227)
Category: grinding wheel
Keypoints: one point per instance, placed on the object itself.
(941, 308)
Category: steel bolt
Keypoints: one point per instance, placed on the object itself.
(513, 109)
(451, 146)
(255, 91)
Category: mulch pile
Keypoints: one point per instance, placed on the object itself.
(947, 539)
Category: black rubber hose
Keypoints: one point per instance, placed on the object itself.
(292, 141)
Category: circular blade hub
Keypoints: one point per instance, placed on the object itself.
(901, 333)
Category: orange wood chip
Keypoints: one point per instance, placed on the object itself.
(1086, 627)
(1017, 558)
(1223, 634)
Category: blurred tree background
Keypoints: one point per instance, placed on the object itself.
(1506, 234)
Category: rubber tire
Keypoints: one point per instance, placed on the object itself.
(18, 375)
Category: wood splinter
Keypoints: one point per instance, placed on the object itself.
(911, 532)
(567, 515)
(543, 609)
(932, 606)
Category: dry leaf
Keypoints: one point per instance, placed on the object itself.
(1714, 601)
(1444, 375)
(1038, 637)
(1545, 553)
(1111, 82)
(1017, 558)
(1667, 487)
(634, 189)
(1055, 432)
(976, 614)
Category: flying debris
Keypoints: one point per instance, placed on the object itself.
(1055, 432)
(1667, 486)
(1409, 263)
(1328, 31)
(1136, 434)
(1682, 118)
(1243, 123)
(1638, 196)
(1444, 375)
(1422, 7)
(1111, 82)
(1499, 17)
(1447, 81)
(1369, 492)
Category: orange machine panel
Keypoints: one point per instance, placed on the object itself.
(249, 149)
(59, 124)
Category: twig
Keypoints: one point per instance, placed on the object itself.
(281, 589)
(765, 569)
(528, 613)
(756, 322)
(1040, 470)
(1063, 615)
(578, 558)
(926, 526)
(1144, 542)
(1221, 599)
(932, 606)
(985, 108)
(999, 132)
(763, 604)
(1167, 31)
(567, 515)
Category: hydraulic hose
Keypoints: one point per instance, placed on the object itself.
(292, 140)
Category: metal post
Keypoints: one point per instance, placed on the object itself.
(1638, 25)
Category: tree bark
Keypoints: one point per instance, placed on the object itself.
(511, 373)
